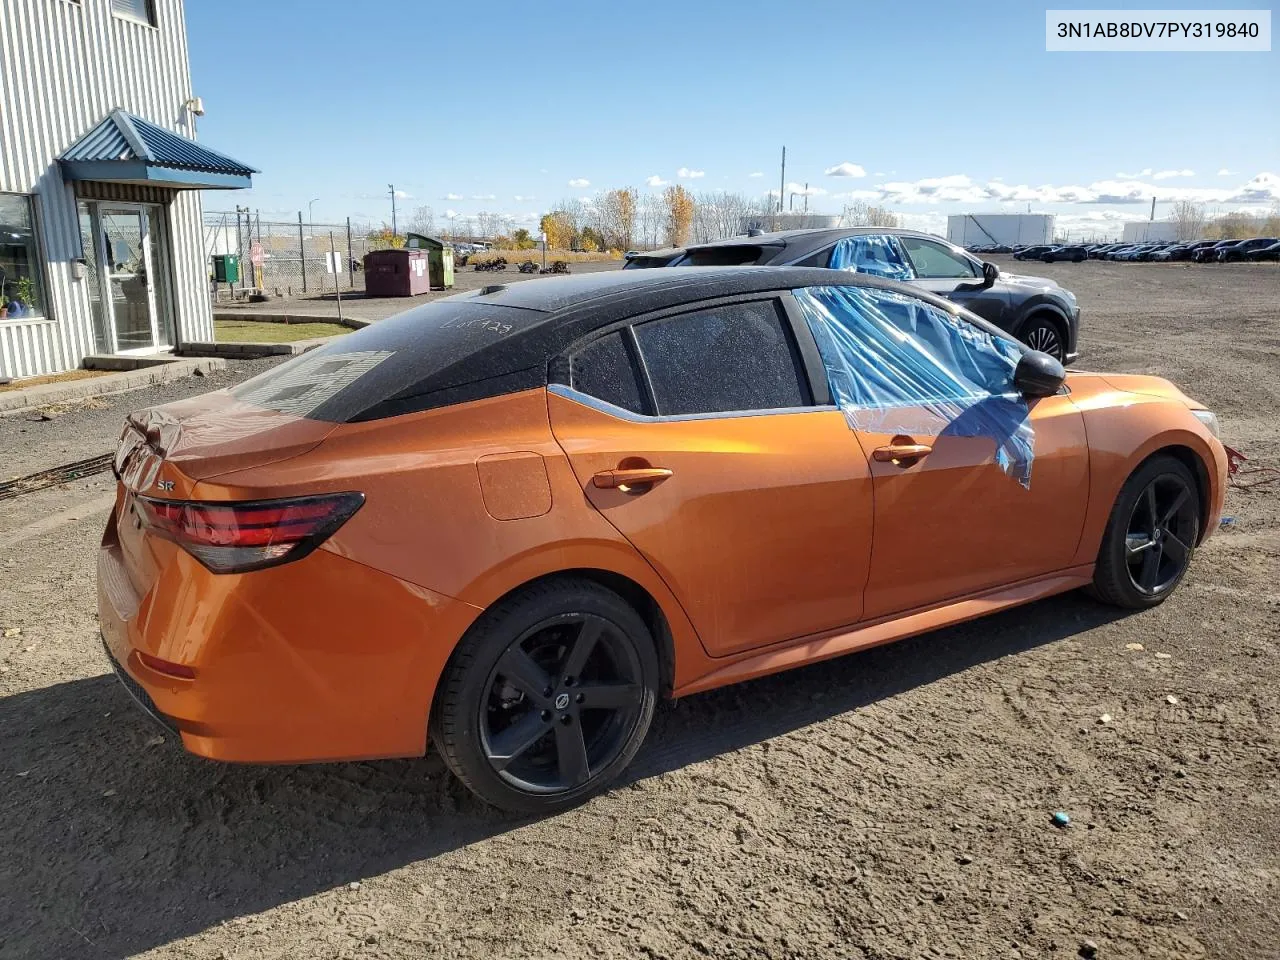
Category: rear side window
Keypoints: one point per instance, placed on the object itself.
(874, 254)
(723, 359)
(603, 370)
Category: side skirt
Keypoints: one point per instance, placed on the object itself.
(899, 627)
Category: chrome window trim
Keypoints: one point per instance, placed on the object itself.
(603, 406)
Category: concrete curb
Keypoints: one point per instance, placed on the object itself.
(24, 400)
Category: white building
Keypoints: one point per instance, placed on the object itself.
(1140, 230)
(100, 228)
(973, 229)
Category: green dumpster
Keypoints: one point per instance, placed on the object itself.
(226, 267)
(439, 259)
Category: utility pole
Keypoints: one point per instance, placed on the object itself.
(311, 220)
(806, 199)
(782, 180)
(1153, 208)
(392, 187)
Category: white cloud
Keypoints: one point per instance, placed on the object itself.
(800, 190)
(845, 169)
(579, 182)
(755, 174)
(484, 196)
(451, 214)
(878, 173)
(522, 199)
(453, 196)
(960, 189)
(1224, 172)
(1169, 174)
(1144, 172)
(401, 195)
(655, 181)
(684, 173)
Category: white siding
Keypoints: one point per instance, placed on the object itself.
(64, 66)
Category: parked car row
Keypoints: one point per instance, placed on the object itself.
(1199, 251)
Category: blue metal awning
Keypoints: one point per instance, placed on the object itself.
(127, 149)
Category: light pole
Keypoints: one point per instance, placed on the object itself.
(392, 188)
(311, 221)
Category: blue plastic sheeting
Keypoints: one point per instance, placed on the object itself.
(880, 256)
(898, 365)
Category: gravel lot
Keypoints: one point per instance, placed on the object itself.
(891, 804)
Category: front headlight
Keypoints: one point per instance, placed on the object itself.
(1208, 418)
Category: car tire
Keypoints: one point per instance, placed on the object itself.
(1137, 566)
(1077, 259)
(1044, 334)
(531, 751)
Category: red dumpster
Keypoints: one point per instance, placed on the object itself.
(396, 273)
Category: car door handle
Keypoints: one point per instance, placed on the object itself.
(901, 454)
(621, 479)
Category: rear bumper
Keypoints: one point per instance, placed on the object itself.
(321, 659)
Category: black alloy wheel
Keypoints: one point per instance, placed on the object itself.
(560, 703)
(547, 697)
(1151, 535)
(1161, 534)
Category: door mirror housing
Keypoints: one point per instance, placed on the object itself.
(1038, 375)
(990, 274)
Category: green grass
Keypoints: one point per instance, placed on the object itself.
(259, 331)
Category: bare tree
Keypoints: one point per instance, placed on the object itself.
(860, 214)
(649, 219)
(1189, 219)
(423, 221)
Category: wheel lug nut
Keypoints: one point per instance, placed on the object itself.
(566, 719)
(580, 698)
(546, 715)
(546, 691)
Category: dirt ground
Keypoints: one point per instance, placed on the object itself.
(892, 804)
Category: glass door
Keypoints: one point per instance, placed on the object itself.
(130, 276)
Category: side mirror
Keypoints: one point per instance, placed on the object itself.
(1038, 375)
(990, 274)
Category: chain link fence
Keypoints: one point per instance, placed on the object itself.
(288, 258)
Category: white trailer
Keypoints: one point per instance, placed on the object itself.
(1143, 230)
(973, 229)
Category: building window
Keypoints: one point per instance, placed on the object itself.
(21, 294)
(140, 10)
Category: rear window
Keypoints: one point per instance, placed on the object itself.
(390, 366)
(733, 255)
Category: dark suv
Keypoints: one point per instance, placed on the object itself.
(1035, 310)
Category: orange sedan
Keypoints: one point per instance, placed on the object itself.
(514, 518)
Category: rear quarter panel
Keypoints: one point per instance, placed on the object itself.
(426, 520)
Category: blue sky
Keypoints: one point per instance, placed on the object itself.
(942, 107)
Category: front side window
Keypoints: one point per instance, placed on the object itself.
(899, 365)
(876, 254)
(934, 260)
(21, 295)
(736, 357)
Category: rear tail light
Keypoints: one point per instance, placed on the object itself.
(235, 537)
